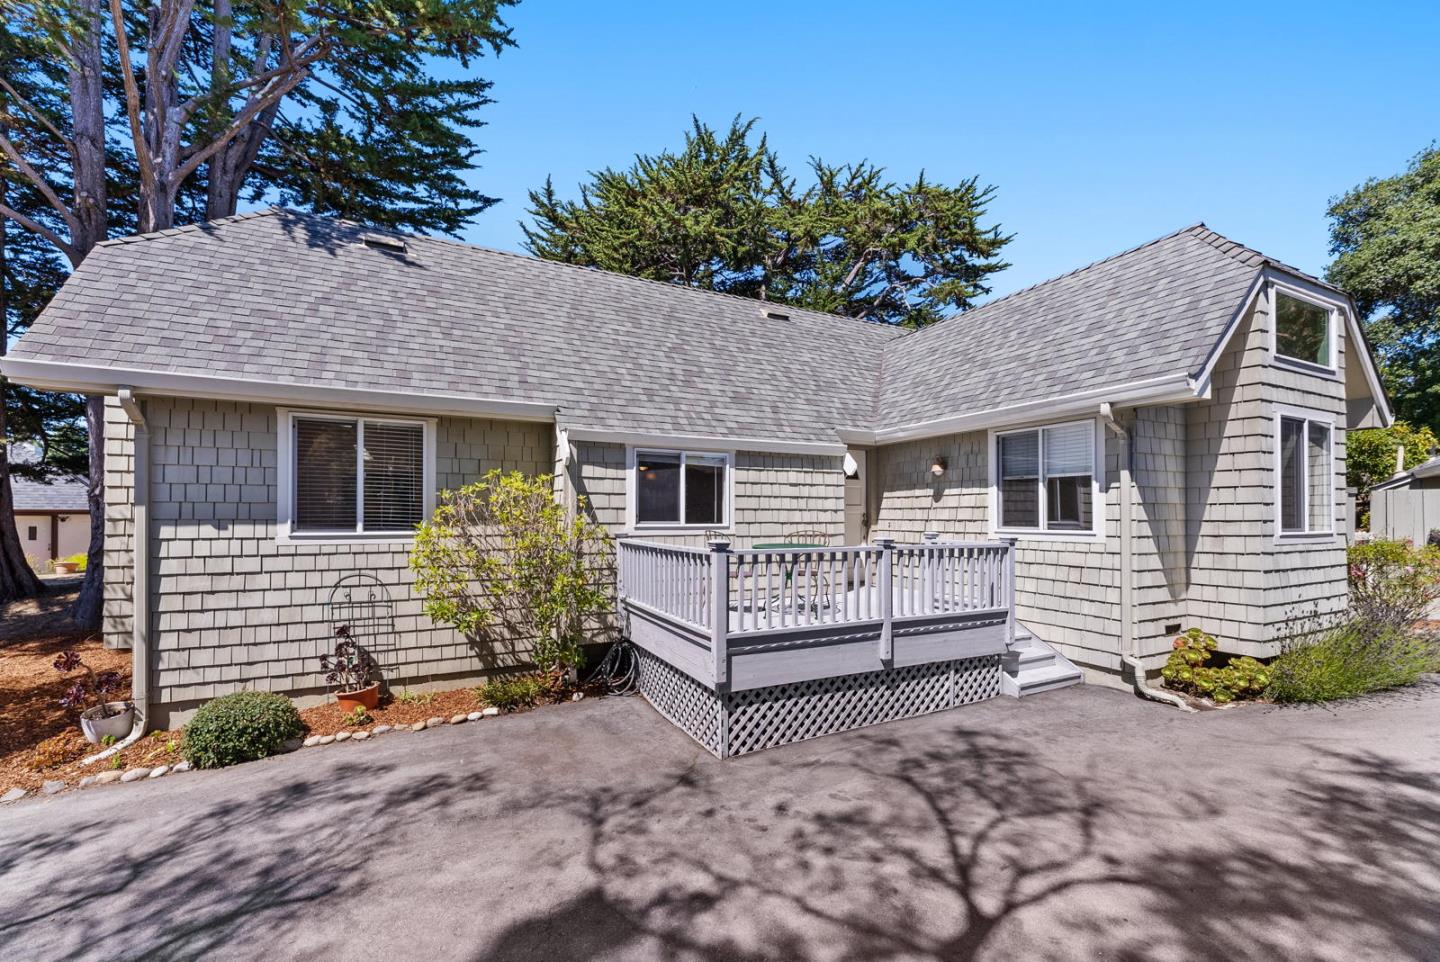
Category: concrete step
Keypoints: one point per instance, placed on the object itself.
(1031, 667)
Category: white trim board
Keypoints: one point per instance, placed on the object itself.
(88, 379)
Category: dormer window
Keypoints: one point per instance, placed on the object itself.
(1304, 331)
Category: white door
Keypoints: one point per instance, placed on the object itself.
(857, 524)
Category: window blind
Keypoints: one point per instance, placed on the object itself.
(1318, 477)
(394, 476)
(1292, 491)
(1069, 450)
(1020, 455)
(324, 475)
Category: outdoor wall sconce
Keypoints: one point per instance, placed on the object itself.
(938, 467)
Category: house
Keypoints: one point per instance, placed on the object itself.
(52, 516)
(1154, 442)
(1407, 506)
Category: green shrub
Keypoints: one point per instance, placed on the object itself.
(1187, 670)
(1349, 659)
(504, 562)
(240, 728)
(1393, 582)
(80, 560)
(517, 691)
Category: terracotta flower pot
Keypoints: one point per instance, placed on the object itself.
(66, 567)
(366, 698)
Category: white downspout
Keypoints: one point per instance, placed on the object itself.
(1129, 644)
(140, 587)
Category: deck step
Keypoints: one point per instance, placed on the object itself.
(1031, 667)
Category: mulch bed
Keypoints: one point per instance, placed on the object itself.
(330, 720)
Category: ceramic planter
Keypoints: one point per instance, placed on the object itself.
(66, 567)
(116, 725)
(366, 698)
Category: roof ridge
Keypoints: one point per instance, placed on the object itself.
(1058, 277)
(1230, 247)
(192, 228)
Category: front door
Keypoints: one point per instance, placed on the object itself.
(857, 523)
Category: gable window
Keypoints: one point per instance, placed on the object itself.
(1302, 330)
(354, 475)
(1306, 475)
(681, 488)
(1046, 478)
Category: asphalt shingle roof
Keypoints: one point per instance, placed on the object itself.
(67, 493)
(281, 296)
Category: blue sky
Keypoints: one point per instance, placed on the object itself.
(1101, 125)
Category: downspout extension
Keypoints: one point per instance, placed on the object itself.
(140, 587)
(1129, 645)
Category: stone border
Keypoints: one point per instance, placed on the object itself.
(115, 775)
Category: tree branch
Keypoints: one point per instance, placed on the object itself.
(43, 186)
(35, 112)
(251, 111)
(39, 228)
(132, 95)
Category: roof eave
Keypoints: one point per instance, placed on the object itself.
(91, 379)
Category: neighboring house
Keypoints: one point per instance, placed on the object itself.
(1408, 505)
(1162, 433)
(52, 516)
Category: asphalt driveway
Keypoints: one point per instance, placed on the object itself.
(1081, 824)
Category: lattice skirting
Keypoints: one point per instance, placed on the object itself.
(739, 722)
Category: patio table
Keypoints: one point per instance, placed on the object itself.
(815, 602)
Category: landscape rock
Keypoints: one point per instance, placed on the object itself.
(179, 767)
(418, 727)
(311, 741)
(12, 795)
(327, 739)
(291, 745)
(105, 778)
(135, 774)
(474, 716)
(53, 786)
(380, 729)
(458, 719)
(490, 712)
(342, 736)
(88, 780)
(577, 696)
(162, 770)
(361, 736)
(435, 722)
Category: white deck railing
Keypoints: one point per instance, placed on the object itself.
(725, 593)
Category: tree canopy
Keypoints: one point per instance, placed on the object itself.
(723, 214)
(1385, 235)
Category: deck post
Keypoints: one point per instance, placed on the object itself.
(887, 600)
(720, 610)
(1009, 591)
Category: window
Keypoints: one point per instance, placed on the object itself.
(356, 475)
(32, 533)
(681, 488)
(1302, 330)
(1306, 476)
(1047, 474)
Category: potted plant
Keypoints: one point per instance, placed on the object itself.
(99, 718)
(352, 669)
(69, 566)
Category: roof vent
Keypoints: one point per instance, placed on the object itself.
(383, 242)
(774, 315)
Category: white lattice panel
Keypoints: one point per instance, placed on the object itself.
(689, 705)
(767, 717)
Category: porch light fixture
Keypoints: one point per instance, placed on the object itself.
(938, 467)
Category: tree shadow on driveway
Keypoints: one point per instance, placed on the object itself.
(972, 849)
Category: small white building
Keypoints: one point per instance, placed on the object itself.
(1407, 507)
(53, 518)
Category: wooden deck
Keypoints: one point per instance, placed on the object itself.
(737, 620)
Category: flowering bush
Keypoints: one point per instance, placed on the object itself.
(1392, 583)
(92, 689)
(350, 666)
(1187, 670)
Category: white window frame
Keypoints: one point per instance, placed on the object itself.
(1308, 417)
(632, 489)
(1096, 532)
(285, 475)
(1331, 370)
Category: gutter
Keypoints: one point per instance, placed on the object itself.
(1129, 644)
(140, 582)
